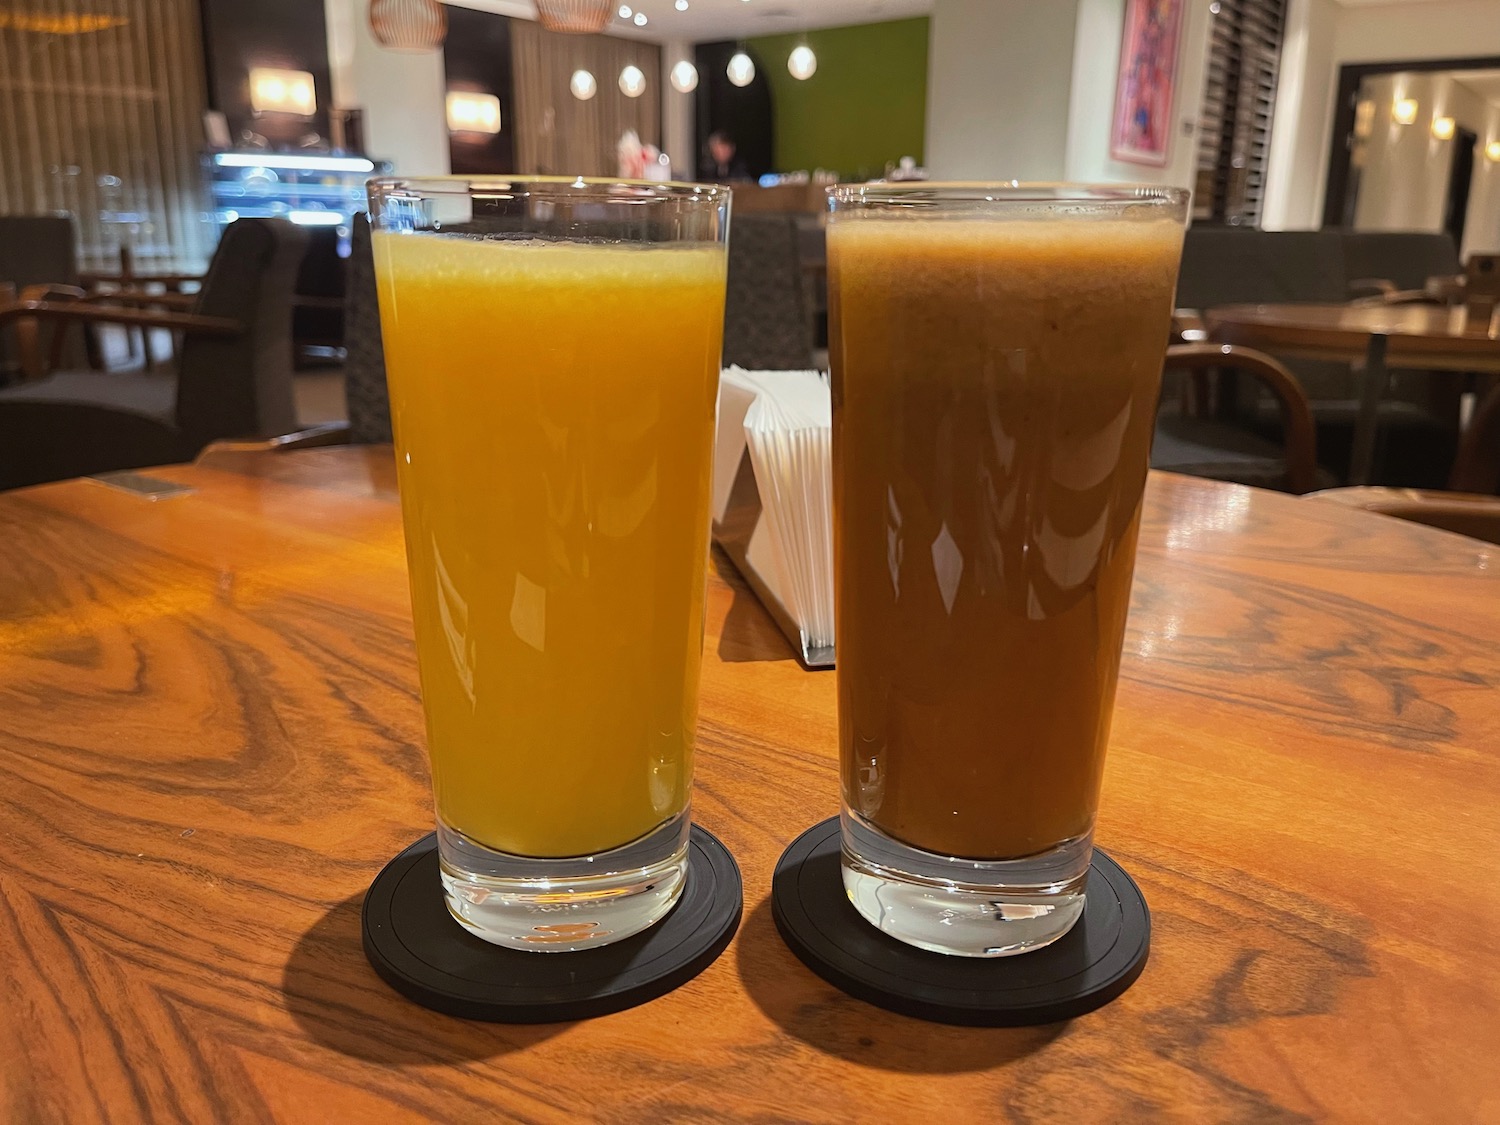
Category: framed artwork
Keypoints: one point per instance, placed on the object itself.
(1147, 82)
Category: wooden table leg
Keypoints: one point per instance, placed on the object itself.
(1372, 386)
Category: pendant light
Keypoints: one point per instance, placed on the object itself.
(741, 70)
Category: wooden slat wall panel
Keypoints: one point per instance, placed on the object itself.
(555, 132)
(107, 125)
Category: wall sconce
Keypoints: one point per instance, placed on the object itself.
(583, 85)
(1442, 128)
(632, 82)
(1492, 151)
(473, 113)
(282, 91)
(1404, 111)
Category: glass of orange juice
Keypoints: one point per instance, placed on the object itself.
(552, 351)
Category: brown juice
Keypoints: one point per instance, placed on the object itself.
(994, 394)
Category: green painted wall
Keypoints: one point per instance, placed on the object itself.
(866, 105)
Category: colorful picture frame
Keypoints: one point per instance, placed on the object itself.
(1147, 82)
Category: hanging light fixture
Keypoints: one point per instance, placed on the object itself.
(741, 70)
(802, 63)
(576, 17)
(583, 85)
(632, 82)
(408, 25)
(684, 77)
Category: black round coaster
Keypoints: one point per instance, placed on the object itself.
(1097, 960)
(420, 951)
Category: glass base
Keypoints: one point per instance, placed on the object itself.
(563, 905)
(963, 907)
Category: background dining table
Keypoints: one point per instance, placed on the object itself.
(1373, 337)
(211, 740)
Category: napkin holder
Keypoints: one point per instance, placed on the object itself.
(742, 526)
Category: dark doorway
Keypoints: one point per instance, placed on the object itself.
(1464, 143)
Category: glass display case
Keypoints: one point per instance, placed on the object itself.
(310, 189)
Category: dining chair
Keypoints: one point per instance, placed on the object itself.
(38, 251)
(1193, 438)
(1470, 505)
(766, 322)
(364, 354)
(1418, 416)
(233, 376)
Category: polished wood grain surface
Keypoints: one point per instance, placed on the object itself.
(211, 740)
(1422, 336)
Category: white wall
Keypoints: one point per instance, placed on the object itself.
(1482, 234)
(1447, 29)
(1404, 169)
(1096, 65)
(402, 94)
(677, 112)
(1297, 164)
(1302, 132)
(1000, 74)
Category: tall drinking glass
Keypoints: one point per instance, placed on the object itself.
(552, 350)
(997, 354)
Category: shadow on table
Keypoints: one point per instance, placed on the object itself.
(338, 1000)
(748, 633)
(824, 1018)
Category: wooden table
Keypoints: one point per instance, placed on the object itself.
(210, 742)
(1377, 337)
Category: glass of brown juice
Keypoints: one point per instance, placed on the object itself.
(996, 355)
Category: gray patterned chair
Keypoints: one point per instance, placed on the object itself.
(364, 354)
(233, 377)
(766, 321)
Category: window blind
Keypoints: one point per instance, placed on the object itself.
(1234, 127)
(101, 116)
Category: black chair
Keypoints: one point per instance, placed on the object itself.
(766, 321)
(1190, 439)
(233, 377)
(38, 251)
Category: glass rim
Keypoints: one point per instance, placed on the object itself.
(1006, 191)
(583, 187)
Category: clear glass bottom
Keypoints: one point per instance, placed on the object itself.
(963, 907)
(563, 905)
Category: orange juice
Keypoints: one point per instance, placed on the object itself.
(553, 407)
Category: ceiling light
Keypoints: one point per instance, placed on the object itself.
(802, 63)
(473, 113)
(640, 19)
(632, 82)
(740, 71)
(583, 85)
(1442, 128)
(684, 77)
(681, 5)
(625, 12)
(408, 25)
(577, 17)
(1404, 111)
